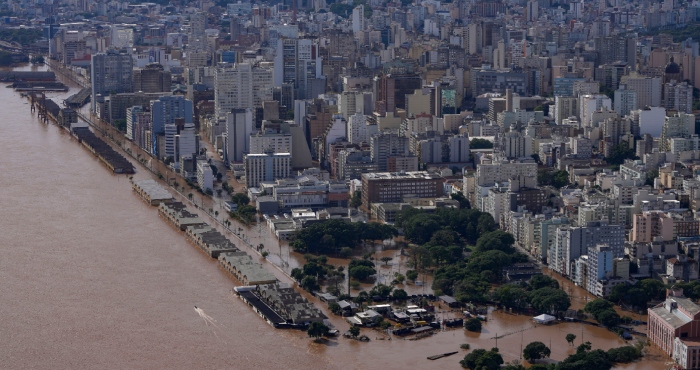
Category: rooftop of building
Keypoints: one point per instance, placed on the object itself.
(401, 175)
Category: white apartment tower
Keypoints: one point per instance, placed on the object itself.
(186, 143)
(625, 101)
(266, 167)
(648, 90)
(678, 97)
(111, 72)
(240, 86)
(358, 19)
(357, 128)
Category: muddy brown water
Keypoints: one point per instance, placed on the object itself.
(91, 277)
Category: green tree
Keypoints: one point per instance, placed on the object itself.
(560, 179)
(386, 260)
(297, 274)
(496, 240)
(583, 347)
(624, 354)
(493, 260)
(609, 318)
(341, 10)
(596, 306)
(412, 275)
(240, 198)
(354, 331)
(345, 252)
(542, 281)
(381, 290)
(399, 278)
(317, 330)
(650, 176)
(420, 229)
(491, 360)
(469, 361)
(597, 359)
(463, 202)
(512, 296)
(549, 300)
(400, 294)
(604, 312)
(310, 284)
(473, 324)
(361, 273)
(356, 199)
(570, 338)
(480, 144)
(536, 351)
(620, 153)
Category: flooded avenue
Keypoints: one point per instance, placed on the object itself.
(93, 278)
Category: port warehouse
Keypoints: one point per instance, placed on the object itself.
(114, 161)
(278, 304)
(27, 76)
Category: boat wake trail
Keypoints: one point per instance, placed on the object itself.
(208, 320)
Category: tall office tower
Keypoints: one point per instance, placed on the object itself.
(198, 36)
(164, 111)
(358, 18)
(239, 127)
(390, 91)
(152, 79)
(533, 10)
(240, 86)
(299, 63)
(111, 72)
(235, 30)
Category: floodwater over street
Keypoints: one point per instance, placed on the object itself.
(92, 277)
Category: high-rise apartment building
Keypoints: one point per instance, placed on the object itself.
(266, 167)
(649, 225)
(164, 111)
(388, 144)
(678, 97)
(239, 127)
(648, 90)
(298, 62)
(625, 100)
(111, 72)
(358, 18)
(573, 242)
(186, 142)
(241, 86)
(152, 79)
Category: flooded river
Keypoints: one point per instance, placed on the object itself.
(93, 278)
